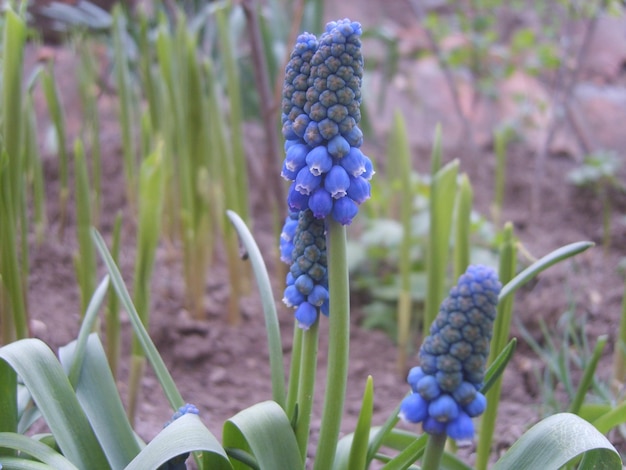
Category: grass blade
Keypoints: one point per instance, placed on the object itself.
(544, 263)
(442, 196)
(587, 379)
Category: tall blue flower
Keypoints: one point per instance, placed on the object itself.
(320, 113)
(178, 462)
(446, 386)
(307, 280)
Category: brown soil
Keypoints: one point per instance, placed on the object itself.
(223, 369)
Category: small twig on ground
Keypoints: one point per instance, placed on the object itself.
(267, 103)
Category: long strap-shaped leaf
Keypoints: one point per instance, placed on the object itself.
(98, 395)
(264, 431)
(33, 448)
(269, 308)
(556, 440)
(186, 434)
(51, 390)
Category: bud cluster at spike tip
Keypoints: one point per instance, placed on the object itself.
(178, 462)
(445, 388)
(307, 280)
(320, 114)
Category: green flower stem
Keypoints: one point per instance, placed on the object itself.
(306, 386)
(294, 372)
(434, 451)
(338, 345)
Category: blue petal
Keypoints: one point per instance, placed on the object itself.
(318, 296)
(338, 147)
(296, 200)
(415, 374)
(461, 428)
(292, 296)
(413, 408)
(304, 284)
(320, 203)
(432, 426)
(369, 168)
(337, 182)
(477, 406)
(325, 308)
(428, 387)
(319, 160)
(295, 157)
(287, 174)
(359, 190)
(344, 210)
(443, 408)
(306, 314)
(307, 182)
(354, 162)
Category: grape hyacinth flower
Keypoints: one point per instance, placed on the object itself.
(178, 462)
(307, 280)
(320, 114)
(446, 386)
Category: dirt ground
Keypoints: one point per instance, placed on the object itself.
(223, 369)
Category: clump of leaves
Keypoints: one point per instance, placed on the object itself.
(598, 172)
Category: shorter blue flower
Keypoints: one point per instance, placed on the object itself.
(453, 356)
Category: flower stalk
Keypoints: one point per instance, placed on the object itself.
(338, 346)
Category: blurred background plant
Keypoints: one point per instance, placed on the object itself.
(599, 172)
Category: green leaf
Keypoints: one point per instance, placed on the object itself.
(186, 434)
(556, 440)
(264, 431)
(269, 308)
(160, 369)
(496, 368)
(613, 418)
(34, 448)
(97, 393)
(51, 390)
(358, 451)
(544, 263)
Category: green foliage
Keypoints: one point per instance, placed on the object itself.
(566, 353)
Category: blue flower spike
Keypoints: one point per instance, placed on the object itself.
(307, 281)
(178, 462)
(445, 388)
(320, 114)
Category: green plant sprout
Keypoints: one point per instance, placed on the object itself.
(598, 171)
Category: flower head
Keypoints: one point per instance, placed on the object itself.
(453, 358)
(178, 462)
(307, 281)
(320, 114)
